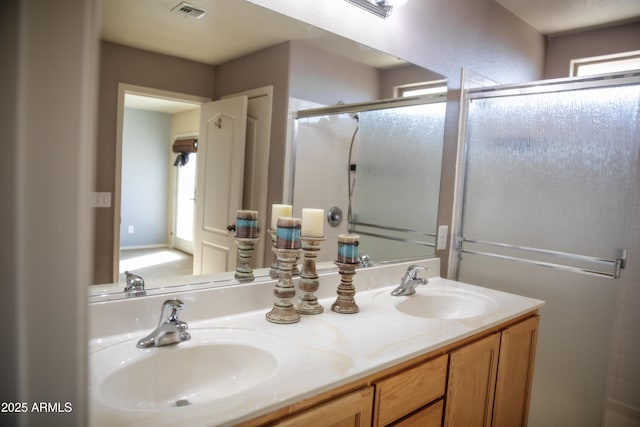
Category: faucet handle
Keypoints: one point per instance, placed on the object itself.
(170, 310)
(413, 270)
(135, 284)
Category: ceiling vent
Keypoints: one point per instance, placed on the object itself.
(189, 10)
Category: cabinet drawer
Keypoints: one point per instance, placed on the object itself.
(352, 410)
(431, 416)
(409, 390)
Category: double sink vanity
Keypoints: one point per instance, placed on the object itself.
(450, 354)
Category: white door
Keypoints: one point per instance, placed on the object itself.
(256, 174)
(220, 170)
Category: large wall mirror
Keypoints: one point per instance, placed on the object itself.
(317, 70)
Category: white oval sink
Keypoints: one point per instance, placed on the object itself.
(444, 303)
(214, 364)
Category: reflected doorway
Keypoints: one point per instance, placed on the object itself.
(185, 205)
(154, 198)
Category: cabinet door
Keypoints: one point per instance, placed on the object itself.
(471, 384)
(352, 410)
(515, 369)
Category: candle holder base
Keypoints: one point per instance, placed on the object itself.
(283, 311)
(346, 303)
(244, 272)
(283, 315)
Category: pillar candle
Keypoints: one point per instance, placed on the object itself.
(312, 222)
(277, 211)
(247, 224)
(348, 248)
(288, 233)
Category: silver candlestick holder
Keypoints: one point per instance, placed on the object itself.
(274, 271)
(346, 303)
(309, 281)
(246, 246)
(283, 310)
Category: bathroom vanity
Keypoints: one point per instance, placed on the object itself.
(450, 354)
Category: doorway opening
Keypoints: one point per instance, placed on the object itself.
(154, 200)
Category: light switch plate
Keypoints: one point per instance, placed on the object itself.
(441, 244)
(100, 200)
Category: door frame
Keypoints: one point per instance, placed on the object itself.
(124, 88)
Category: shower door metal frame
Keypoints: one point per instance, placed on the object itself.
(539, 87)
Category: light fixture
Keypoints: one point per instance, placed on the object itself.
(380, 8)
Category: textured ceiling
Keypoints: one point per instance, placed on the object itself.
(233, 28)
(560, 16)
(229, 29)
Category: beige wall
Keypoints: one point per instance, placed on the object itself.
(50, 91)
(120, 64)
(605, 41)
(9, 310)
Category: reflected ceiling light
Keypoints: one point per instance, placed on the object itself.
(380, 8)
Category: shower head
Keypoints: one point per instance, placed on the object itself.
(353, 115)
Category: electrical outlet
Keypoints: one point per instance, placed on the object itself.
(130, 229)
(441, 244)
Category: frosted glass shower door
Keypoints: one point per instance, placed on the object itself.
(547, 184)
(397, 180)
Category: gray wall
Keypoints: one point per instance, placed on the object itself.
(318, 76)
(268, 67)
(604, 41)
(146, 142)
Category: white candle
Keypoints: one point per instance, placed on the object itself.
(277, 211)
(312, 222)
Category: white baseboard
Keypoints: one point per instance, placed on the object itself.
(132, 248)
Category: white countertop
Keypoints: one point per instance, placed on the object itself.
(323, 351)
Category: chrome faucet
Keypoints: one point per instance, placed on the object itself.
(365, 260)
(135, 285)
(409, 282)
(170, 329)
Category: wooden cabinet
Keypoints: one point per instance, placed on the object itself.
(515, 369)
(471, 383)
(489, 381)
(352, 410)
(484, 380)
(409, 390)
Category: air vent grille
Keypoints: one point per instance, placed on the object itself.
(189, 10)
